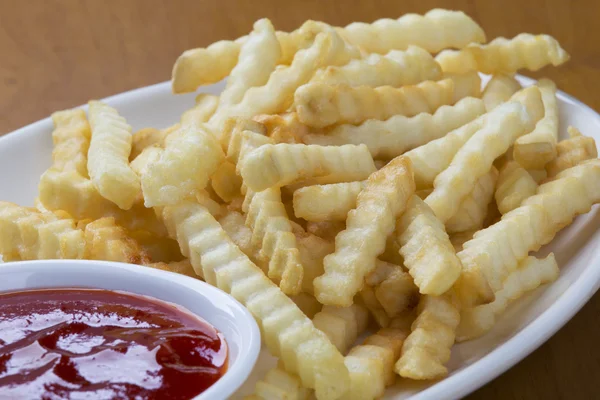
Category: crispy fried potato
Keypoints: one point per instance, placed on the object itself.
(108, 156)
(531, 273)
(474, 208)
(383, 199)
(496, 251)
(71, 138)
(514, 185)
(506, 123)
(572, 151)
(434, 31)
(281, 164)
(190, 157)
(319, 105)
(321, 203)
(505, 56)
(158, 249)
(257, 59)
(397, 68)
(272, 233)
(206, 105)
(327, 230)
(144, 138)
(307, 304)
(459, 238)
(288, 333)
(26, 234)
(285, 128)
(398, 134)
(426, 248)
(234, 224)
(342, 325)
(432, 158)
(368, 298)
(226, 182)
(278, 384)
(313, 250)
(394, 288)
(183, 267)
(233, 136)
(107, 241)
(390, 340)
(498, 90)
(367, 374)
(537, 148)
(467, 84)
(427, 348)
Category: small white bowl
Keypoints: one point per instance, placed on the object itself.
(213, 305)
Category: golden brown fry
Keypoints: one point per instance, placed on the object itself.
(278, 384)
(496, 251)
(319, 105)
(26, 234)
(436, 30)
(313, 250)
(427, 348)
(398, 134)
(498, 90)
(307, 303)
(107, 241)
(505, 56)
(281, 164)
(108, 156)
(384, 198)
(183, 267)
(572, 151)
(144, 138)
(531, 273)
(506, 123)
(285, 128)
(394, 288)
(226, 182)
(474, 207)
(426, 249)
(321, 203)
(342, 325)
(158, 249)
(71, 138)
(514, 185)
(397, 68)
(535, 149)
(288, 333)
(206, 105)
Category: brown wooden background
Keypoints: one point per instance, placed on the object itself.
(56, 54)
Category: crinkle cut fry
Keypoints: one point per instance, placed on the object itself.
(278, 384)
(476, 157)
(495, 252)
(397, 68)
(434, 157)
(505, 56)
(498, 90)
(107, 241)
(367, 227)
(531, 273)
(427, 348)
(436, 30)
(320, 105)
(281, 164)
(71, 138)
(426, 248)
(288, 333)
(514, 185)
(272, 233)
(326, 202)
(537, 148)
(108, 156)
(398, 134)
(26, 234)
(572, 151)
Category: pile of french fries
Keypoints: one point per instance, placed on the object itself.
(345, 179)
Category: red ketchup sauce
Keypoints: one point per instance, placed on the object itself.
(101, 344)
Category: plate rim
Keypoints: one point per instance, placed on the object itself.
(499, 359)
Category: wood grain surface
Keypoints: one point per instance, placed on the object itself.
(59, 54)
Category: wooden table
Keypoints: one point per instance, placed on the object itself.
(59, 54)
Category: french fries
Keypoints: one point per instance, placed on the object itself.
(531, 273)
(326, 202)
(286, 330)
(505, 56)
(145, 138)
(320, 105)
(572, 151)
(280, 164)
(434, 31)
(476, 157)
(394, 136)
(71, 138)
(396, 68)
(367, 227)
(108, 156)
(205, 107)
(498, 90)
(495, 252)
(190, 157)
(425, 246)
(537, 148)
(514, 185)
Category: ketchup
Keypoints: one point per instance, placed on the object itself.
(101, 344)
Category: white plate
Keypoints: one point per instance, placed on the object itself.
(26, 153)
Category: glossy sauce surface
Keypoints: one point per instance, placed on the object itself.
(100, 344)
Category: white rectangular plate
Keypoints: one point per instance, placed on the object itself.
(26, 153)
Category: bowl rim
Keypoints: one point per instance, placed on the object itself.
(236, 374)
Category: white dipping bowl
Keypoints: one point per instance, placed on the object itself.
(213, 305)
